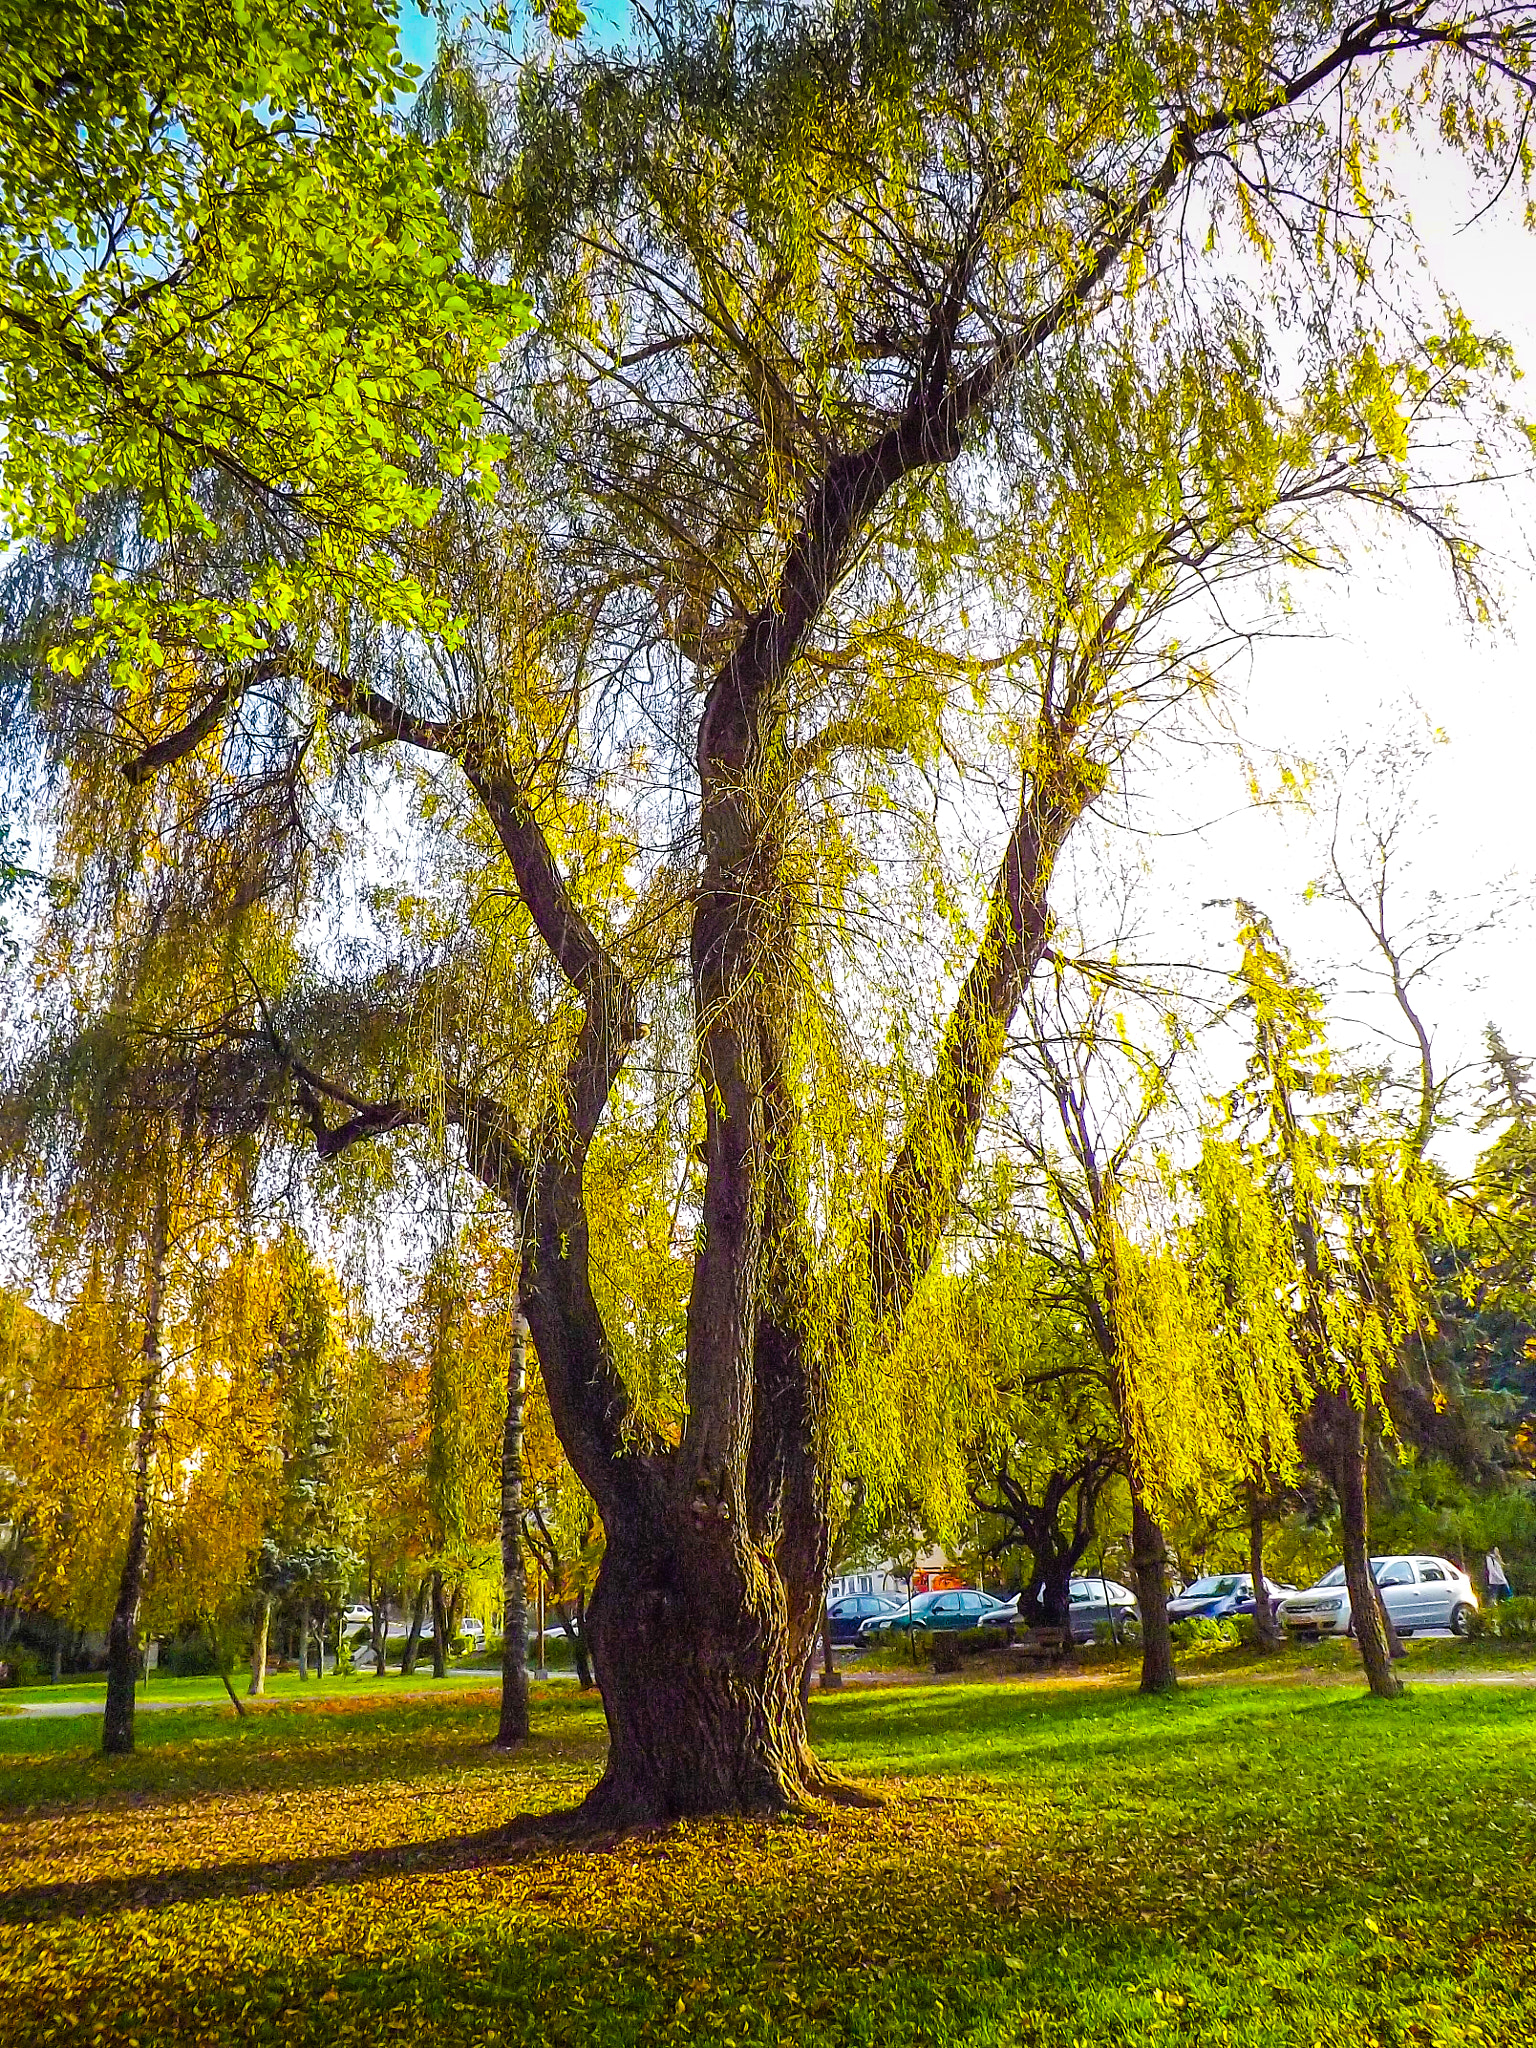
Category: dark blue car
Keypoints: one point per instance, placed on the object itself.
(849, 1614)
(1220, 1598)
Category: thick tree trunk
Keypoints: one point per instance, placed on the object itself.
(1265, 1628)
(685, 1643)
(439, 1628)
(1149, 1567)
(513, 1725)
(303, 1640)
(413, 1638)
(123, 1632)
(1346, 1435)
(258, 1684)
(1056, 1589)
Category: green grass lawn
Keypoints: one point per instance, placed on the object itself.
(1056, 1863)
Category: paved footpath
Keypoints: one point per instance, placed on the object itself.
(63, 1709)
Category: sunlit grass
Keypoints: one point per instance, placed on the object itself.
(1061, 1864)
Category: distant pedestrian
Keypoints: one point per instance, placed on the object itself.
(1498, 1579)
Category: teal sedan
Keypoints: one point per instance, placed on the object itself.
(957, 1609)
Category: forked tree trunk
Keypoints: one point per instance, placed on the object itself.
(123, 1632)
(258, 1684)
(1265, 1628)
(513, 1725)
(1346, 1437)
(439, 1628)
(1149, 1566)
(413, 1638)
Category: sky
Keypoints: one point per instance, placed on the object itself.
(1385, 650)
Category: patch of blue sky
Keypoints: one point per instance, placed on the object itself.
(607, 23)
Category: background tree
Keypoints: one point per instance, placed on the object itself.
(1052, 1445)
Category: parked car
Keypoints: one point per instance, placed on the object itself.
(1418, 1592)
(1221, 1597)
(1101, 1603)
(848, 1614)
(953, 1609)
(1089, 1609)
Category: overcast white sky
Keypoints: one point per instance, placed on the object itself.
(1389, 650)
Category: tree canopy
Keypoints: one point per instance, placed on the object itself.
(912, 389)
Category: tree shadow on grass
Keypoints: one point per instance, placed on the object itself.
(272, 1753)
(525, 1837)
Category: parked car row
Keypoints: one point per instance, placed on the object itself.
(1418, 1592)
(867, 1617)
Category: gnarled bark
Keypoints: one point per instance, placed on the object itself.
(696, 1635)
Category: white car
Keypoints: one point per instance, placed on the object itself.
(1418, 1592)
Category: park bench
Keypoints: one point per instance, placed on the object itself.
(1043, 1645)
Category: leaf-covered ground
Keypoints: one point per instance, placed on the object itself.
(1056, 1864)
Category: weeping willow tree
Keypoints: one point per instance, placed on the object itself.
(1113, 1236)
(1316, 1218)
(900, 369)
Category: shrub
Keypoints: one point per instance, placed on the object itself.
(1509, 1621)
(26, 1665)
(188, 1657)
(1202, 1632)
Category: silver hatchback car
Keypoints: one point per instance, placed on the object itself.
(1418, 1592)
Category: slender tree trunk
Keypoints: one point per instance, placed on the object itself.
(223, 1664)
(378, 1627)
(830, 1675)
(513, 1725)
(1265, 1628)
(413, 1639)
(258, 1684)
(579, 1647)
(439, 1629)
(1346, 1434)
(58, 1656)
(1149, 1566)
(455, 1615)
(123, 1632)
(303, 1640)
